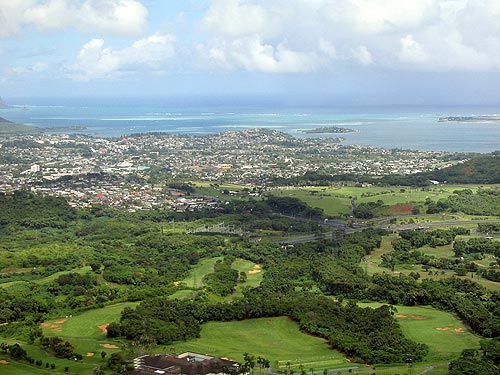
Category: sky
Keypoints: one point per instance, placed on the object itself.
(310, 51)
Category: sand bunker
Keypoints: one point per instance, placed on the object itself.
(53, 327)
(109, 346)
(442, 329)
(104, 328)
(400, 316)
(256, 269)
(56, 326)
(89, 354)
(3, 362)
(459, 330)
(418, 317)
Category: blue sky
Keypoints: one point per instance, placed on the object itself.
(316, 51)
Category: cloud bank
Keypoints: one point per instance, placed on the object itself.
(114, 17)
(278, 36)
(96, 61)
(264, 36)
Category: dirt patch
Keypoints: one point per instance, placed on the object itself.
(89, 354)
(418, 317)
(109, 346)
(400, 316)
(56, 326)
(104, 328)
(3, 362)
(53, 327)
(401, 209)
(459, 330)
(442, 328)
(256, 269)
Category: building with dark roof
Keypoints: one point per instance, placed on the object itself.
(182, 364)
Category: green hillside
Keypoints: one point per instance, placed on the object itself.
(8, 127)
(484, 169)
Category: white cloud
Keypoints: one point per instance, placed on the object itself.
(252, 54)
(19, 72)
(96, 61)
(305, 35)
(113, 17)
(279, 36)
(362, 55)
(380, 16)
(236, 18)
(11, 15)
(412, 51)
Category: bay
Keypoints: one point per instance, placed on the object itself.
(389, 127)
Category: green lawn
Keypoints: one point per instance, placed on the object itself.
(18, 285)
(445, 335)
(83, 331)
(83, 367)
(336, 201)
(205, 266)
(277, 339)
(197, 272)
(439, 251)
(372, 261)
(86, 325)
(253, 271)
(329, 200)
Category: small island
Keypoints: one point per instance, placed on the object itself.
(328, 130)
(475, 119)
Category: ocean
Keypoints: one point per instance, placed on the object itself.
(389, 127)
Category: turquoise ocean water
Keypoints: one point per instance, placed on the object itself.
(404, 127)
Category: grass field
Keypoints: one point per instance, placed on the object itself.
(205, 266)
(17, 285)
(86, 324)
(83, 330)
(336, 201)
(373, 261)
(253, 271)
(83, 367)
(197, 272)
(445, 335)
(277, 339)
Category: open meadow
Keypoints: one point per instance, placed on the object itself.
(336, 201)
(197, 272)
(445, 335)
(87, 331)
(277, 339)
(372, 264)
